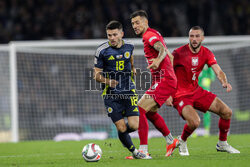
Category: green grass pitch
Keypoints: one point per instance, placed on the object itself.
(68, 154)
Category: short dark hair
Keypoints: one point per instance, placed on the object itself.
(114, 25)
(197, 28)
(141, 13)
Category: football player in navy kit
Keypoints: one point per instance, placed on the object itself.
(114, 69)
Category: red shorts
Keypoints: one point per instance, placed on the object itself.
(161, 90)
(201, 100)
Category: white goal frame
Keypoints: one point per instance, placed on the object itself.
(218, 42)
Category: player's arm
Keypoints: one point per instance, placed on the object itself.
(132, 64)
(161, 55)
(100, 78)
(171, 57)
(221, 77)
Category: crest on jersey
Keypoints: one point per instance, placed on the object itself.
(119, 56)
(195, 61)
(110, 110)
(127, 55)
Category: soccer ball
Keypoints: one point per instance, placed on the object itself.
(91, 152)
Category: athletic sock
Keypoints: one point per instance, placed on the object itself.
(224, 126)
(186, 132)
(126, 141)
(143, 127)
(144, 148)
(222, 143)
(169, 138)
(129, 130)
(158, 122)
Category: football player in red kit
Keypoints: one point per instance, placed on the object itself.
(160, 63)
(189, 61)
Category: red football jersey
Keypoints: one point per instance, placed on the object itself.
(187, 67)
(150, 37)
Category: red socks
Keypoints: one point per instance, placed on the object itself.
(224, 126)
(158, 122)
(186, 132)
(143, 127)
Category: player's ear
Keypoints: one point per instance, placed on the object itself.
(146, 21)
(122, 33)
(202, 38)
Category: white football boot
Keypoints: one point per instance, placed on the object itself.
(135, 157)
(183, 150)
(139, 155)
(226, 148)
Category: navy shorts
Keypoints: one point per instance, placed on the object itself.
(120, 106)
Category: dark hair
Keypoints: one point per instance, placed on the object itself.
(197, 28)
(141, 13)
(114, 25)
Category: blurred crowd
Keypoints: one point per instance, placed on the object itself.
(86, 19)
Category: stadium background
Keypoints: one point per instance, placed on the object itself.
(53, 82)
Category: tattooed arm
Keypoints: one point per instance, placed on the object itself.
(162, 54)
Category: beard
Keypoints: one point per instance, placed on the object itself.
(139, 35)
(194, 48)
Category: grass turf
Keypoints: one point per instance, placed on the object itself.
(68, 154)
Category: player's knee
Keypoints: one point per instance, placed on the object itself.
(134, 126)
(227, 113)
(194, 123)
(121, 128)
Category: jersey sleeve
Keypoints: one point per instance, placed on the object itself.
(175, 54)
(98, 59)
(151, 38)
(211, 60)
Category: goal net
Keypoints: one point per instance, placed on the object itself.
(55, 96)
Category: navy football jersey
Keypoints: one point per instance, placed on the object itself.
(116, 65)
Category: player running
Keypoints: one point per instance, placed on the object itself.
(114, 60)
(189, 60)
(164, 82)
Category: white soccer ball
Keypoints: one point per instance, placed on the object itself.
(91, 152)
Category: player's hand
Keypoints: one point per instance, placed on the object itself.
(113, 83)
(228, 86)
(169, 101)
(155, 64)
(134, 71)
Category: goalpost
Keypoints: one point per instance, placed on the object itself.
(47, 90)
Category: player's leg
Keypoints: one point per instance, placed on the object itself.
(133, 123)
(193, 122)
(206, 123)
(115, 108)
(159, 123)
(126, 139)
(225, 113)
(150, 112)
(144, 105)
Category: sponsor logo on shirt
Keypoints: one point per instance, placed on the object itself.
(150, 39)
(181, 103)
(195, 61)
(111, 57)
(136, 110)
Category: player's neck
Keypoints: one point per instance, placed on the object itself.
(145, 29)
(119, 45)
(194, 50)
